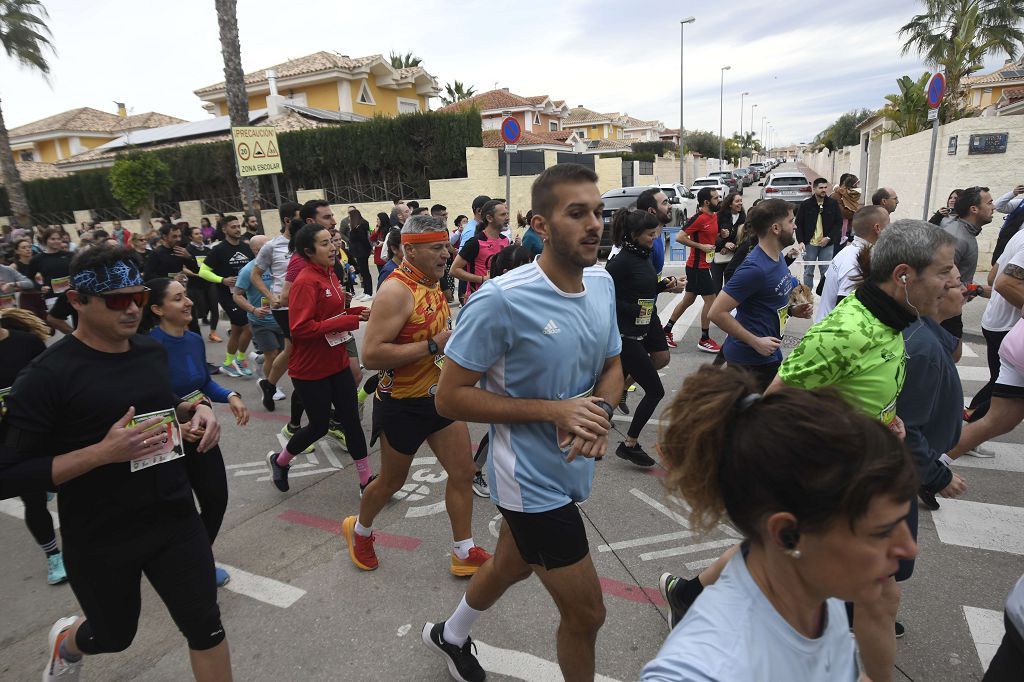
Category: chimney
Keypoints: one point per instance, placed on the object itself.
(122, 110)
(275, 101)
(272, 80)
(505, 89)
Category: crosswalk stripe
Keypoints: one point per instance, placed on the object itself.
(266, 590)
(994, 527)
(972, 373)
(987, 629)
(1009, 457)
(689, 549)
(968, 352)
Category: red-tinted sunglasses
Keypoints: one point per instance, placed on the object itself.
(124, 301)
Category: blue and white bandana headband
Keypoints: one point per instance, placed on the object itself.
(120, 275)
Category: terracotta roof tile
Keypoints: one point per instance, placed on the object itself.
(150, 119)
(87, 119)
(37, 170)
(492, 138)
(1000, 75)
(486, 101)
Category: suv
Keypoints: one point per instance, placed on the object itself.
(727, 179)
(744, 177)
(614, 199)
(759, 168)
(684, 202)
(791, 186)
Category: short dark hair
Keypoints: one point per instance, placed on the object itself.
(437, 209)
(460, 217)
(819, 181)
(287, 212)
(308, 211)
(509, 258)
(704, 195)
(542, 194)
(98, 235)
(767, 213)
(305, 240)
(479, 202)
(879, 196)
(420, 210)
(968, 197)
(166, 229)
(227, 219)
(412, 204)
(646, 201)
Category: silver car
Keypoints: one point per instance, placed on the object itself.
(787, 185)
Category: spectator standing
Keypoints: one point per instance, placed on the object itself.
(819, 227)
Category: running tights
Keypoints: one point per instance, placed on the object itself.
(637, 363)
(210, 483)
(37, 517)
(318, 395)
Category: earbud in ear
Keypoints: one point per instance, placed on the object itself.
(903, 278)
(790, 537)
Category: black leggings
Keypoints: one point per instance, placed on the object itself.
(37, 517)
(317, 397)
(980, 403)
(637, 364)
(174, 554)
(362, 265)
(209, 481)
(204, 302)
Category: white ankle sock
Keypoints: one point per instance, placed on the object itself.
(461, 548)
(456, 628)
(363, 530)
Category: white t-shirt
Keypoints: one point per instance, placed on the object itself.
(732, 633)
(1000, 315)
(839, 278)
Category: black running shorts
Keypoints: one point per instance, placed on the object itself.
(406, 422)
(235, 314)
(281, 317)
(698, 281)
(655, 340)
(552, 539)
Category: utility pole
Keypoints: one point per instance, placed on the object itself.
(682, 130)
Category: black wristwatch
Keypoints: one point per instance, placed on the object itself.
(608, 409)
(432, 346)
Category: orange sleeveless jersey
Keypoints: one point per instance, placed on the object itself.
(430, 316)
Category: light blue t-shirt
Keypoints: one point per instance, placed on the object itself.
(468, 230)
(532, 340)
(244, 282)
(732, 632)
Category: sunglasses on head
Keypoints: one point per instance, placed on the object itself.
(124, 301)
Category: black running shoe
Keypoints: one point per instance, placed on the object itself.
(462, 664)
(634, 454)
(278, 473)
(900, 630)
(928, 500)
(623, 407)
(669, 584)
(267, 389)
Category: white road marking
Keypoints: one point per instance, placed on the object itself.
(968, 352)
(266, 590)
(1009, 457)
(423, 461)
(700, 565)
(644, 497)
(426, 510)
(978, 524)
(987, 630)
(650, 540)
(328, 451)
(688, 315)
(262, 467)
(521, 665)
(14, 507)
(972, 373)
(690, 549)
(313, 472)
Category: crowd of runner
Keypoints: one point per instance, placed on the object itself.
(116, 416)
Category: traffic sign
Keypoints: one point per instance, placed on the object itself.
(511, 148)
(511, 131)
(936, 89)
(256, 150)
(933, 114)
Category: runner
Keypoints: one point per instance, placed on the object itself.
(473, 263)
(843, 273)
(166, 319)
(202, 293)
(759, 293)
(23, 337)
(405, 340)
(822, 505)
(70, 419)
(226, 259)
(319, 362)
(974, 209)
(52, 264)
(543, 343)
(704, 230)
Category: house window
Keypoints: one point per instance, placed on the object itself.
(646, 168)
(364, 95)
(552, 125)
(536, 119)
(582, 132)
(408, 106)
(28, 155)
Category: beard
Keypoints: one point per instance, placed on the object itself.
(567, 250)
(787, 239)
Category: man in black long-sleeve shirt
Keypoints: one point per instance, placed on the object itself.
(69, 427)
(169, 258)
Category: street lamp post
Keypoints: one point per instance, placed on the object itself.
(742, 95)
(682, 131)
(752, 107)
(764, 120)
(721, 121)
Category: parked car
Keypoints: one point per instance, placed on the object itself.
(712, 182)
(727, 179)
(788, 185)
(744, 178)
(684, 202)
(759, 168)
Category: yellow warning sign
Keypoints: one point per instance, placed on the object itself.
(256, 150)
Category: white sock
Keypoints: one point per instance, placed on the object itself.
(945, 459)
(456, 628)
(363, 530)
(461, 548)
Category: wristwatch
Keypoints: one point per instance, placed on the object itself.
(608, 409)
(432, 346)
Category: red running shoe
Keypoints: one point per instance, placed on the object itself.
(669, 340)
(360, 549)
(708, 345)
(468, 566)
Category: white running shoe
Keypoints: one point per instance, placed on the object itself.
(58, 669)
(279, 395)
(981, 452)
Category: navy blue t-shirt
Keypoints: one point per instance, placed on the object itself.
(761, 286)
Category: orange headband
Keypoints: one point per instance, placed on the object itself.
(425, 237)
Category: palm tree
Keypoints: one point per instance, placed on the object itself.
(907, 110)
(234, 84)
(404, 61)
(25, 38)
(747, 142)
(956, 36)
(456, 92)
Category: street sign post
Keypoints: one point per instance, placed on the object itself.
(935, 89)
(511, 133)
(257, 153)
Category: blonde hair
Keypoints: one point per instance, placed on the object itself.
(23, 320)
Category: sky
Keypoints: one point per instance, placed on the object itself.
(803, 63)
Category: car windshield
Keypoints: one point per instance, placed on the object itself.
(614, 203)
(788, 182)
(669, 192)
(706, 183)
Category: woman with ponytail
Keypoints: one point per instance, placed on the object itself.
(822, 505)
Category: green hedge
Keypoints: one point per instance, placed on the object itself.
(412, 149)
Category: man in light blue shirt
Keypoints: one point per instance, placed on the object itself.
(543, 343)
(469, 229)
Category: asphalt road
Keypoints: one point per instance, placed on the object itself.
(297, 609)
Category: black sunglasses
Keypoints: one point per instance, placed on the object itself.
(125, 300)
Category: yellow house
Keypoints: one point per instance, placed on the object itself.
(63, 135)
(985, 90)
(592, 125)
(367, 86)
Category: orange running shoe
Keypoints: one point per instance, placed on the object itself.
(360, 549)
(213, 337)
(468, 566)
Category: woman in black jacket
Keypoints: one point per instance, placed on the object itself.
(361, 248)
(636, 294)
(731, 218)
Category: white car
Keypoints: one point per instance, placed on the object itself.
(788, 185)
(684, 202)
(713, 183)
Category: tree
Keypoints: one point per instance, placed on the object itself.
(843, 131)
(955, 36)
(404, 61)
(747, 143)
(907, 111)
(234, 82)
(701, 142)
(456, 93)
(25, 38)
(136, 180)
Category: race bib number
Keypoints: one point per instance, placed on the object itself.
(783, 316)
(194, 398)
(888, 413)
(7, 301)
(168, 427)
(709, 256)
(439, 360)
(60, 284)
(646, 311)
